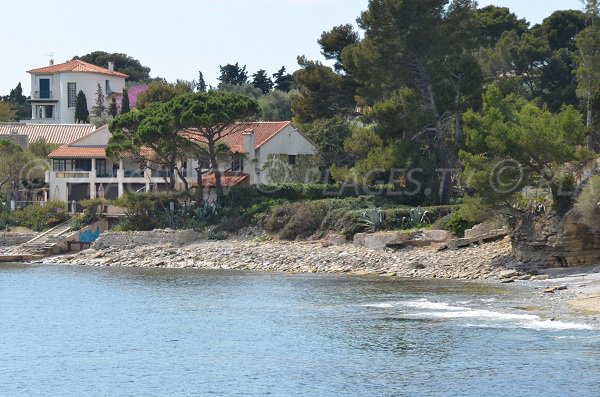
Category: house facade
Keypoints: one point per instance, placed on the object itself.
(81, 169)
(55, 88)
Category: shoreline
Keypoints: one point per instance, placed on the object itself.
(575, 291)
(488, 261)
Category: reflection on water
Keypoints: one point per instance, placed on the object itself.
(89, 331)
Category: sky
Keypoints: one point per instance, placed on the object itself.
(177, 38)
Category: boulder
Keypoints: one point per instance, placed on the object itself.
(379, 241)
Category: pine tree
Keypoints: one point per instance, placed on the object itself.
(112, 108)
(99, 109)
(82, 114)
(125, 102)
(283, 81)
(262, 81)
(201, 85)
(233, 74)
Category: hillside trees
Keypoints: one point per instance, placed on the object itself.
(18, 103)
(403, 64)
(512, 144)
(122, 62)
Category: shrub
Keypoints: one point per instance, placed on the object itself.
(455, 224)
(40, 217)
(588, 203)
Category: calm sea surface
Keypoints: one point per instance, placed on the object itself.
(67, 331)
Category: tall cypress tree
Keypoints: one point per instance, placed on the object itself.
(82, 114)
(201, 85)
(125, 102)
(112, 108)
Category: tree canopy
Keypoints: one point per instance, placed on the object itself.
(122, 62)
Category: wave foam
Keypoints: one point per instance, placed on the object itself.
(529, 321)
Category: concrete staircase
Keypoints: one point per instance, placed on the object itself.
(47, 242)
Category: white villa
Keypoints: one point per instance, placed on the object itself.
(81, 170)
(55, 88)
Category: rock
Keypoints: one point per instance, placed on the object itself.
(552, 290)
(379, 241)
(540, 277)
(508, 274)
(437, 236)
(417, 265)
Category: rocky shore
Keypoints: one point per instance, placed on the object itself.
(492, 260)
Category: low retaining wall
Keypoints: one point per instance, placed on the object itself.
(154, 237)
(10, 239)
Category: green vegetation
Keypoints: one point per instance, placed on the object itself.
(35, 217)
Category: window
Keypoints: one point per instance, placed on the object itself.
(292, 159)
(71, 95)
(45, 111)
(107, 89)
(72, 165)
(237, 163)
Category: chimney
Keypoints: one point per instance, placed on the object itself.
(51, 62)
(111, 66)
(249, 143)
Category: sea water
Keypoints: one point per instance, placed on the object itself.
(82, 331)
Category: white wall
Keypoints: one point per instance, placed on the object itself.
(86, 82)
(289, 141)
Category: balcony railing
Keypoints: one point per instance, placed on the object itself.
(41, 95)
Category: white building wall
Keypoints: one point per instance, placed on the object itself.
(86, 82)
(289, 141)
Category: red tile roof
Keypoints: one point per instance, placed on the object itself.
(76, 66)
(56, 134)
(75, 152)
(263, 131)
(228, 179)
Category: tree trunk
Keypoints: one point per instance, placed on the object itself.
(588, 122)
(214, 166)
(200, 187)
(444, 193)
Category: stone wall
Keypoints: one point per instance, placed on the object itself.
(10, 239)
(154, 237)
(548, 240)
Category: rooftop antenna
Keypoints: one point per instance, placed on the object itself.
(51, 55)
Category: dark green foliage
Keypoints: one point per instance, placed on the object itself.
(160, 91)
(304, 219)
(112, 108)
(92, 209)
(99, 108)
(282, 80)
(233, 74)
(201, 84)
(125, 102)
(322, 93)
(261, 81)
(333, 43)
(123, 63)
(493, 21)
(455, 224)
(329, 135)
(18, 102)
(35, 217)
(82, 114)
(150, 211)
(246, 196)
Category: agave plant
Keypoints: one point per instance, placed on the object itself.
(416, 216)
(372, 220)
